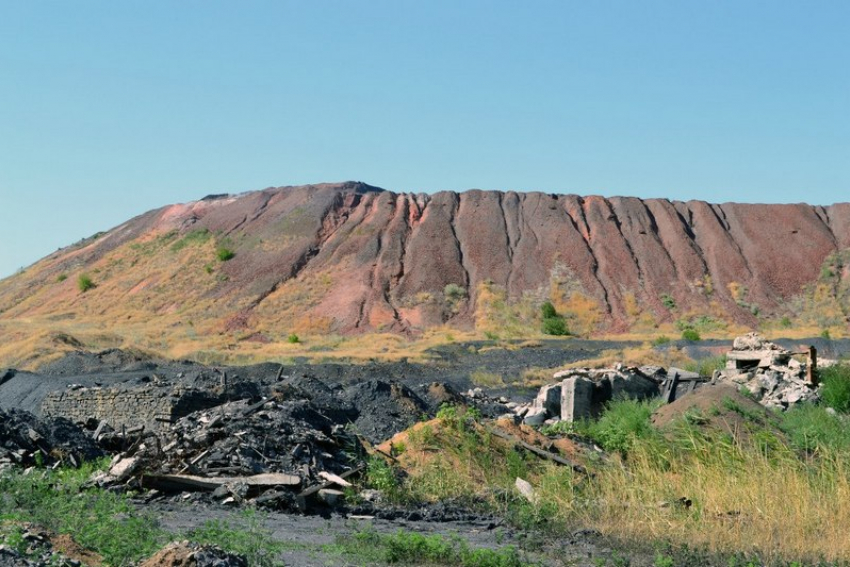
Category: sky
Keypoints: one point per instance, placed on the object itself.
(109, 109)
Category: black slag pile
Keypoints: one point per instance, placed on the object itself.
(277, 450)
(26, 440)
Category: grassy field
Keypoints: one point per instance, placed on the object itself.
(771, 490)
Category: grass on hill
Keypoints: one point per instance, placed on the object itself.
(769, 496)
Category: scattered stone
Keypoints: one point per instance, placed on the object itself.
(524, 487)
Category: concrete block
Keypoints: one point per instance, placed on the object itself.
(549, 399)
(576, 398)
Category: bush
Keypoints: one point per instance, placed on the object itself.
(690, 335)
(224, 254)
(61, 277)
(835, 389)
(661, 340)
(293, 338)
(85, 283)
(553, 324)
(454, 293)
(668, 301)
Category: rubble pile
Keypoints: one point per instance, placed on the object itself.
(582, 392)
(766, 370)
(300, 439)
(268, 436)
(27, 440)
(768, 373)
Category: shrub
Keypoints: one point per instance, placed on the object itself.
(61, 277)
(668, 301)
(454, 296)
(690, 335)
(224, 254)
(85, 283)
(553, 324)
(381, 476)
(293, 338)
(661, 340)
(835, 389)
(825, 334)
(454, 292)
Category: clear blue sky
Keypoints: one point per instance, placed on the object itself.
(111, 108)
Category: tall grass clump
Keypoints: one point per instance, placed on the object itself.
(707, 366)
(623, 422)
(835, 389)
(812, 429)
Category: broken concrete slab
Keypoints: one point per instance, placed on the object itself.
(576, 398)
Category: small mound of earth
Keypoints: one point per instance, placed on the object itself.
(384, 408)
(187, 554)
(82, 362)
(66, 545)
(718, 408)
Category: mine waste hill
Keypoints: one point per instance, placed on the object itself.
(348, 258)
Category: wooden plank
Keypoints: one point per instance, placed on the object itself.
(301, 498)
(181, 482)
(330, 477)
(537, 451)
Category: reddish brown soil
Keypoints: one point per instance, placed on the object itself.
(388, 257)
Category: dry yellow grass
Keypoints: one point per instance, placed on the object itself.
(743, 501)
(759, 499)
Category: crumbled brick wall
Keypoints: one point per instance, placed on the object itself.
(127, 406)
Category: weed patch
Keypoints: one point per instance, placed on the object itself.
(416, 549)
(192, 238)
(246, 537)
(102, 521)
